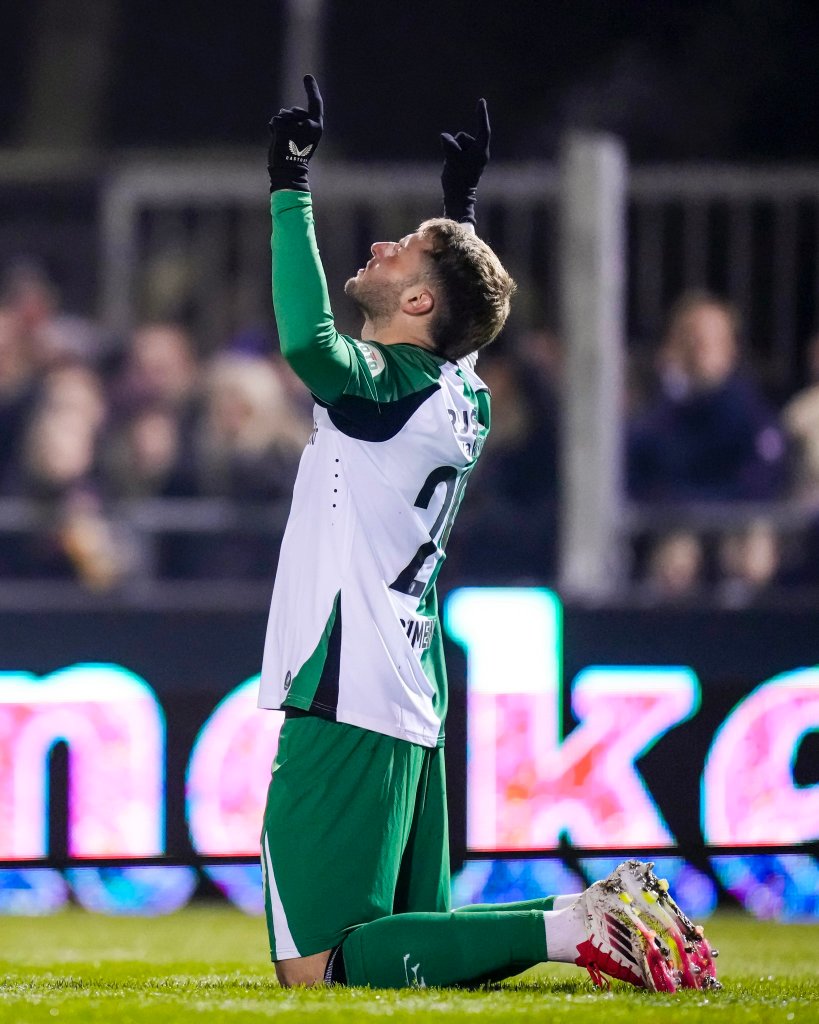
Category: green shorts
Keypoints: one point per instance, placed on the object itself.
(355, 829)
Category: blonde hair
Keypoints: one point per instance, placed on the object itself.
(269, 416)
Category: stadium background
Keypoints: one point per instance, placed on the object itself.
(149, 434)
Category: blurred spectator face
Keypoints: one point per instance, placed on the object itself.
(247, 407)
(702, 339)
(675, 564)
(231, 412)
(161, 363)
(751, 556)
(153, 443)
(59, 450)
(29, 294)
(75, 392)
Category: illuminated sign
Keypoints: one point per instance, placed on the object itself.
(229, 772)
(536, 773)
(114, 728)
(528, 785)
(749, 795)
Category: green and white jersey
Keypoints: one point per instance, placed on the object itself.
(354, 633)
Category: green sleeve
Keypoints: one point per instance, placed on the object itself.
(320, 356)
(339, 370)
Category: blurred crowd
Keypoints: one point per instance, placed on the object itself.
(86, 423)
(705, 440)
(89, 423)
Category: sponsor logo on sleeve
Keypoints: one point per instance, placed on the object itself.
(374, 359)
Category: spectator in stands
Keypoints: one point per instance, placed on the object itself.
(160, 366)
(58, 452)
(250, 439)
(801, 420)
(74, 391)
(749, 561)
(247, 447)
(145, 456)
(709, 435)
(57, 470)
(17, 385)
(675, 570)
(48, 335)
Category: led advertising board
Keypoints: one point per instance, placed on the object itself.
(133, 735)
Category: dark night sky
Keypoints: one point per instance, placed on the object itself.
(679, 79)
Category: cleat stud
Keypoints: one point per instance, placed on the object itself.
(624, 896)
(663, 884)
(715, 953)
(699, 930)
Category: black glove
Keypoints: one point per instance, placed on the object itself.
(465, 157)
(296, 133)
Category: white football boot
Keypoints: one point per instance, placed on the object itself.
(619, 943)
(691, 952)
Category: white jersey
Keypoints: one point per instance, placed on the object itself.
(353, 633)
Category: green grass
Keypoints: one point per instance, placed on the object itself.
(208, 964)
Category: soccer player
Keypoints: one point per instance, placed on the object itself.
(354, 843)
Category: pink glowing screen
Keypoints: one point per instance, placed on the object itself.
(529, 784)
(114, 728)
(229, 772)
(748, 777)
(530, 780)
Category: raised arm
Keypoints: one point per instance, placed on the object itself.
(465, 157)
(307, 332)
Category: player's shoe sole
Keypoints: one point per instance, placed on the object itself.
(692, 954)
(618, 943)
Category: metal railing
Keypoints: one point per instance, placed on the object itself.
(209, 225)
(750, 234)
(141, 525)
(178, 238)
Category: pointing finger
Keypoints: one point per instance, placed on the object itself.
(483, 132)
(315, 104)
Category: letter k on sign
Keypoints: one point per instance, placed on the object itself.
(527, 783)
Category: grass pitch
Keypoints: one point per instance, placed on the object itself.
(208, 964)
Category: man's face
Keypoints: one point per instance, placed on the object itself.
(707, 345)
(378, 287)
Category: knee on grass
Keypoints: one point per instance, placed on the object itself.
(302, 970)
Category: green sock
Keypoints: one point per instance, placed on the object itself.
(543, 903)
(419, 950)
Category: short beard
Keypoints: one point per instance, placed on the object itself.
(378, 301)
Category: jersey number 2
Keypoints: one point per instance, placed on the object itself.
(407, 581)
